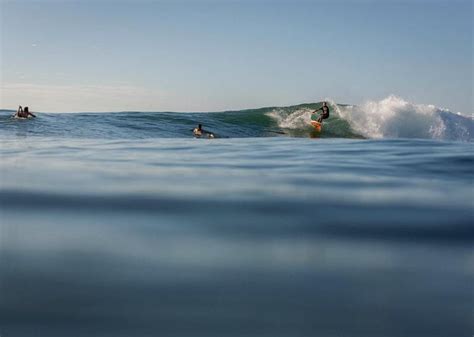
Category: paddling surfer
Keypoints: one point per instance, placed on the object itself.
(324, 114)
(23, 113)
(198, 132)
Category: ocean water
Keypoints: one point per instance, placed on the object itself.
(123, 224)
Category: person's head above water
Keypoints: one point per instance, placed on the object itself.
(25, 109)
(199, 126)
(324, 103)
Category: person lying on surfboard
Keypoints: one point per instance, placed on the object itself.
(23, 113)
(324, 114)
(198, 132)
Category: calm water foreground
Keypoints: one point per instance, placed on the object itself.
(236, 237)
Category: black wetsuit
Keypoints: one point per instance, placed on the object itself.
(325, 113)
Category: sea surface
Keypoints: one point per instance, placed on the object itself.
(124, 224)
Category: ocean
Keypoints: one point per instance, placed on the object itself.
(124, 224)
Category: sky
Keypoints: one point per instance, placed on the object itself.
(144, 55)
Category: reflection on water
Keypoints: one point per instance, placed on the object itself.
(236, 238)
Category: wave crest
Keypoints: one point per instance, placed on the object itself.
(393, 117)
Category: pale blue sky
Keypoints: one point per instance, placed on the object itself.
(218, 55)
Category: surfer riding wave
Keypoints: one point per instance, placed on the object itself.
(324, 114)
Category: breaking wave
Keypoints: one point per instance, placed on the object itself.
(392, 117)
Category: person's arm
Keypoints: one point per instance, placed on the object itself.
(18, 112)
(317, 110)
(29, 113)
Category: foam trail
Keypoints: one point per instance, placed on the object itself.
(296, 119)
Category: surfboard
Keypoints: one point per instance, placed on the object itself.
(316, 125)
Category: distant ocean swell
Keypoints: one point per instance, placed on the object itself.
(391, 117)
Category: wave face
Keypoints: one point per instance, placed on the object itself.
(391, 117)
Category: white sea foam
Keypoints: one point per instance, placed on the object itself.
(391, 117)
(394, 117)
(297, 119)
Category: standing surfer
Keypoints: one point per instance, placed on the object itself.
(324, 114)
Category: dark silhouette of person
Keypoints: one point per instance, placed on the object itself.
(324, 114)
(24, 113)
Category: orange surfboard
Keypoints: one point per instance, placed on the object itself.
(316, 125)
